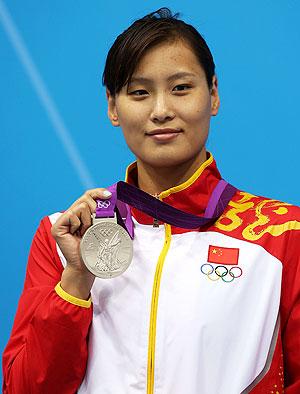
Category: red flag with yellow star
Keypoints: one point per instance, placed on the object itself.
(221, 255)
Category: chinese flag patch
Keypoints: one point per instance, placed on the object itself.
(221, 255)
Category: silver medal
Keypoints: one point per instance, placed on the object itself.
(106, 248)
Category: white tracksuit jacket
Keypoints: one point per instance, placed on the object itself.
(215, 311)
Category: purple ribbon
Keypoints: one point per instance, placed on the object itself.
(215, 198)
(124, 194)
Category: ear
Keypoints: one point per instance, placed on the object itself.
(215, 99)
(111, 109)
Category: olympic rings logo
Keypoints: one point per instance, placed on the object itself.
(103, 204)
(221, 272)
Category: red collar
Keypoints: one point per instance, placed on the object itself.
(191, 196)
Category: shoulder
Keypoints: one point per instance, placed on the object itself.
(266, 209)
(52, 218)
(262, 220)
(44, 229)
(43, 239)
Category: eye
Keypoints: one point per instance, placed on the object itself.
(137, 92)
(182, 87)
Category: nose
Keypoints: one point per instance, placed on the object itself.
(161, 110)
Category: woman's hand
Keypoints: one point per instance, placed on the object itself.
(68, 230)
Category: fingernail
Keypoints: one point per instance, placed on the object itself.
(106, 193)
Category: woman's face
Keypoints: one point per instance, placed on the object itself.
(168, 90)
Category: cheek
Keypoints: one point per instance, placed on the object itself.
(195, 110)
(130, 114)
(131, 122)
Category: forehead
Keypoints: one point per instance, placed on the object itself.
(168, 58)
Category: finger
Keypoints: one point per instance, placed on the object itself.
(85, 199)
(73, 221)
(85, 218)
(63, 224)
(83, 212)
(98, 193)
(90, 196)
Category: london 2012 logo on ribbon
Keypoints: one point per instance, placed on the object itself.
(103, 204)
(222, 263)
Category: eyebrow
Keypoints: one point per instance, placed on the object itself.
(169, 79)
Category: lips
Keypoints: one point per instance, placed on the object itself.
(163, 131)
(164, 135)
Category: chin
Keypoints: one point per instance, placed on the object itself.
(166, 161)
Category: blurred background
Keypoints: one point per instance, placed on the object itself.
(56, 139)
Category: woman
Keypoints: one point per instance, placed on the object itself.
(212, 310)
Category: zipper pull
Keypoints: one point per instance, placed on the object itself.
(155, 220)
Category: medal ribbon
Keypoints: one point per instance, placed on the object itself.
(124, 194)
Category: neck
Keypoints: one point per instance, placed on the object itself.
(154, 180)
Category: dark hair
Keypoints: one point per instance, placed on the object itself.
(144, 33)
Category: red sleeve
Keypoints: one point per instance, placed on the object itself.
(291, 314)
(47, 350)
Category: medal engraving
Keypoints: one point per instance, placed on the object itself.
(106, 249)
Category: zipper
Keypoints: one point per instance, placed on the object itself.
(153, 312)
